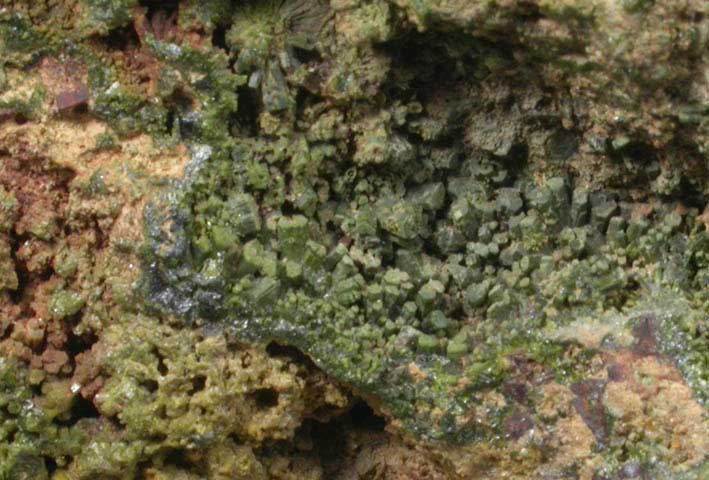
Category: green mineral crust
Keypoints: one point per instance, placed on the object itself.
(386, 239)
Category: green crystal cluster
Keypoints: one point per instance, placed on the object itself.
(377, 233)
(452, 276)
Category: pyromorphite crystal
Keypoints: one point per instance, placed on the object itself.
(65, 303)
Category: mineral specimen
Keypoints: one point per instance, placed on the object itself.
(354, 239)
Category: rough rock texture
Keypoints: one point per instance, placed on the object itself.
(385, 239)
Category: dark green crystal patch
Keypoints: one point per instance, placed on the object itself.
(408, 237)
(450, 275)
